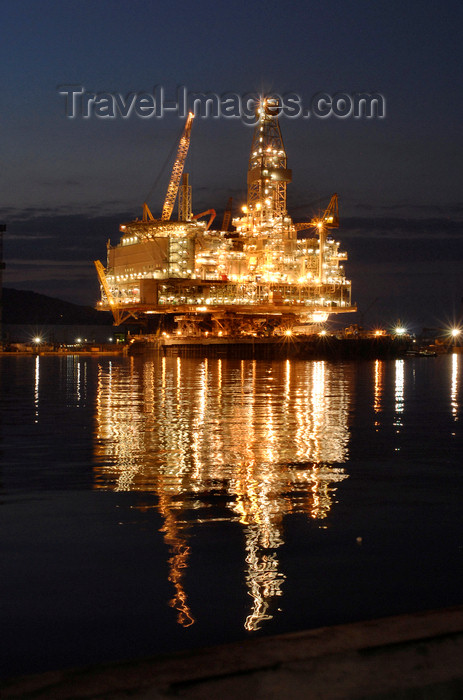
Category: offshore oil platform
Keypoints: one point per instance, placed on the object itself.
(267, 276)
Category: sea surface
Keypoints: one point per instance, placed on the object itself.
(155, 504)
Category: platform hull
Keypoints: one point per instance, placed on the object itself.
(311, 348)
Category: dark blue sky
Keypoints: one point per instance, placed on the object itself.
(66, 183)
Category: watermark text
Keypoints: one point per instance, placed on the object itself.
(83, 104)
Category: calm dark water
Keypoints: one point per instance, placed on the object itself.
(149, 505)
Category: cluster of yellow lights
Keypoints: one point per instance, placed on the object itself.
(264, 250)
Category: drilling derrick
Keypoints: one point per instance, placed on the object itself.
(269, 236)
(267, 172)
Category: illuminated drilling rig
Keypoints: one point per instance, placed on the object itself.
(267, 275)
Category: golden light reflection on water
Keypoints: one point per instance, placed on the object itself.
(270, 438)
(379, 382)
(454, 385)
(399, 385)
(36, 387)
(399, 394)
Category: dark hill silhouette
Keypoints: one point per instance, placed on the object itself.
(31, 308)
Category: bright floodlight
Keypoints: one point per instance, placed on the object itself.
(288, 332)
(37, 339)
(78, 340)
(455, 332)
(400, 330)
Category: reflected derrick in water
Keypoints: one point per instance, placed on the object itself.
(177, 562)
(225, 441)
(263, 578)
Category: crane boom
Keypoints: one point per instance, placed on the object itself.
(211, 213)
(104, 282)
(177, 170)
(329, 218)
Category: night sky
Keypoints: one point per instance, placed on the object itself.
(67, 183)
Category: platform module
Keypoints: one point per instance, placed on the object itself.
(265, 275)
